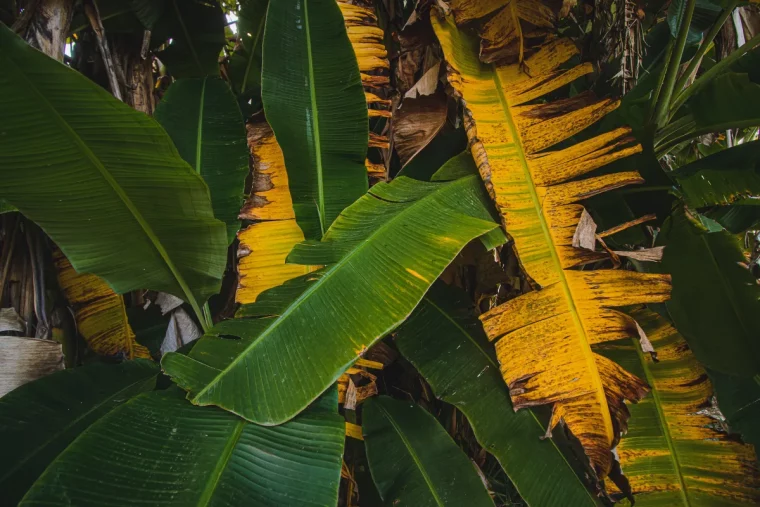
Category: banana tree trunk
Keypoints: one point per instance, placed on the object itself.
(48, 26)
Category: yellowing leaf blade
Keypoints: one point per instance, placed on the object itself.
(545, 337)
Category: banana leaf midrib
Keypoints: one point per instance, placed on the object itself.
(67, 427)
(413, 455)
(663, 422)
(199, 134)
(366, 242)
(221, 465)
(315, 121)
(587, 352)
(493, 363)
(85, 150)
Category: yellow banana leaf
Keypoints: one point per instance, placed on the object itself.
(369, 46)
(515, 28)
(544, 338)
(100, 313)
(265, 244)
(673, 454)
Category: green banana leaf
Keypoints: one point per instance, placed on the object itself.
(382, 255)
(5, 207)
(705, 14)
(722, 178)
(745, 214)
(448, 346)
(196, 30)
(202, 117)
(739, 401)
(673, 452)
(40, 419)
(714, 294)
(245, 62)
(103, 181)
(148, 11)
(157, 449)
(414, 461)
(314, 101)
(730, 100)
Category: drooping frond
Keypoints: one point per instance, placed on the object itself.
(543, 339)
(673, 454)
(265, 244)
(515, 27)
(100, 313)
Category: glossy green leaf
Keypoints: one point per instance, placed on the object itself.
(202, 117)
(382, 255)
(104, 181)
(196, 30)
(314, 101)
(414, 461)
(714, 295)
(674, 453)
(722, 178)
(157, 449)
(448, 346)
(245, 62)
(40, 419)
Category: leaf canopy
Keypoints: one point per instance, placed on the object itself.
(414, 461)
(169, 452)
(91, 172)
(388, 247)
(448, 346)
(40, 419)
(314, 101)
(202, 117)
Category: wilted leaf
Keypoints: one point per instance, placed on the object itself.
(265, 244)
(673, 454)
(23, 360)
(536, 191)
(100, 313)
(417, 122)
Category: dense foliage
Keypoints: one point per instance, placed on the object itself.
(379, 252)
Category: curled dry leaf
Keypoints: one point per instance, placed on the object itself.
(417, 122)
(544, 338)
(23, 360)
